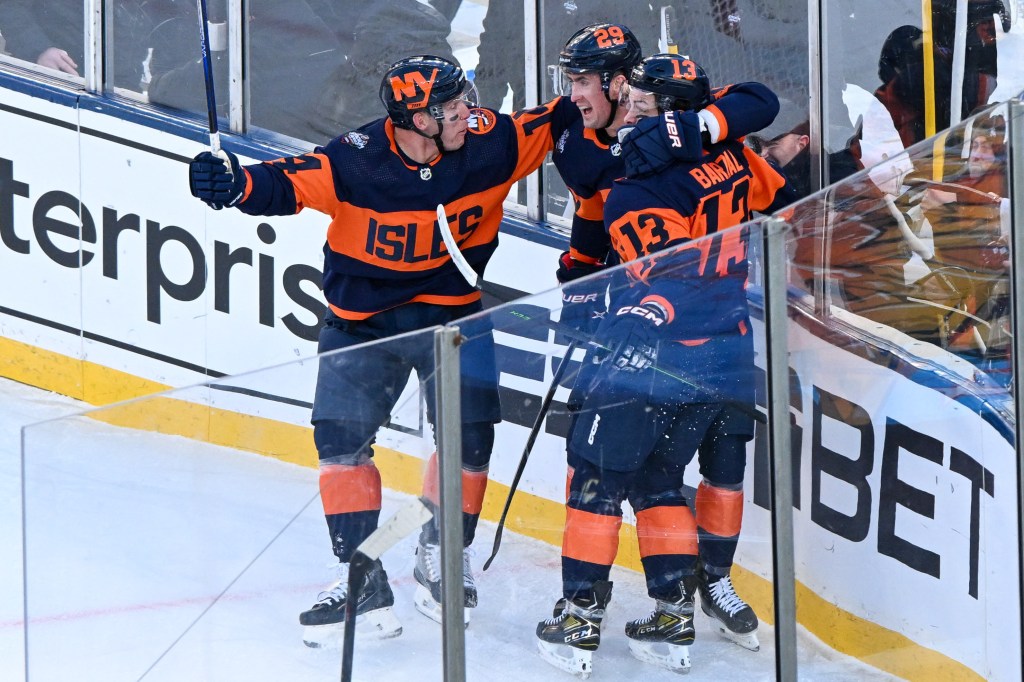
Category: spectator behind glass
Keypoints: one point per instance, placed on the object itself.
(785, 143)
(295, 62)
(980, 70)
(51, 33)
(386, 28)
(901, 68)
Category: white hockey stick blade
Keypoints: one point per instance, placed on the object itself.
(460, 261)
(390, 533)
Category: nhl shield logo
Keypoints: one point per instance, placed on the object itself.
(425, 174)
(616, 149)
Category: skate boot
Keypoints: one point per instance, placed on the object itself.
(427, 572)
(664, 637)
(731, 616)
(324, 623)
(569, 639)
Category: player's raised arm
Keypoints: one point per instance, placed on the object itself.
(730, 113)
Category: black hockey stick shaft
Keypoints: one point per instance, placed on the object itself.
(211, 97)
(534, 432)
(403, 522)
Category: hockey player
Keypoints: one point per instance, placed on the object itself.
(594, 65)
(682, 360)
(386, 272)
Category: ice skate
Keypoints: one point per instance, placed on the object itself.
(427, 572)
(569, 639)
(664, 637)
(324, 623)
(731, 616)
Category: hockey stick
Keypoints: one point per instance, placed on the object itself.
(534, 431)
(402, 523)
(667, 17)
(465, 269)
(471, 276)
(211, 98)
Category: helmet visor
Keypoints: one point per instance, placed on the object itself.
(451, 110)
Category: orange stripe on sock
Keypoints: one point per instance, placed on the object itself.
(345, 489)
(474, 485)
(590, 537)
(431, 488)
(666, 530)
(719, 511)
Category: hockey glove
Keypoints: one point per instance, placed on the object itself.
(656, 142)
(570, 269)
(210, 180)
(635, 335)
(583, 305)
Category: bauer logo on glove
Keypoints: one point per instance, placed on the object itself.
(578, 298)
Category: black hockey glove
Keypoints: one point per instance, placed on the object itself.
(210, 180)
(635, 336)
(570, 269)
(583, 305)
(656, 142)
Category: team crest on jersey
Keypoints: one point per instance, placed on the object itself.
(481, 121)
(426, 174)
(561, 142)
(616, 149)
(357, 140)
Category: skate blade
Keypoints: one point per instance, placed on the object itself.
(574, 661)
(747, 640)
(425, 604)
(675, 657)
(375, 625)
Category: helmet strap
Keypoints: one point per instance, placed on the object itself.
(606, 86)
(436, 137)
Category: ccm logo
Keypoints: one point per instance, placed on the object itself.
(593, 429)
(578, 298)
(649, 315)
(673, 131)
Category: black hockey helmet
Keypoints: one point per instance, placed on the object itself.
(677, 82)
(420, 83)
(601, 48)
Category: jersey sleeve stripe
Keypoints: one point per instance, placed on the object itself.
(723, 123)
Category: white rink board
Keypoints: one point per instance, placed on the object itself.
(902, 469)
(134, 325)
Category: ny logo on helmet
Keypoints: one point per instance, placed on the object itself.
(405, 87)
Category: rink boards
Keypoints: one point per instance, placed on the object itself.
(115, 283)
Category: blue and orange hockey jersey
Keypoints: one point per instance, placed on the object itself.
(383, 245)
(589, 161)
(700, 282)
